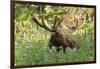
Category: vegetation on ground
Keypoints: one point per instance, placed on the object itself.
(31, 41)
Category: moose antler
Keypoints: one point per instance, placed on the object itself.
(40, 20)
(41, 23)
(57, 22)
(72, 23)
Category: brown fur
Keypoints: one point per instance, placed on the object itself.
(61, 39)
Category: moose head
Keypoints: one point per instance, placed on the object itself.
(60, 38)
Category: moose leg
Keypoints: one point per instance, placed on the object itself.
(64, 49)
(58, 49)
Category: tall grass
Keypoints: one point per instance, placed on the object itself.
(38, 52)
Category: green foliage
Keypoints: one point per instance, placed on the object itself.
(31, 41)
(39, 53)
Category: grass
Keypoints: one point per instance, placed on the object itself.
(39, 53)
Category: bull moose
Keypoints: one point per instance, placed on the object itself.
(60, 38)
